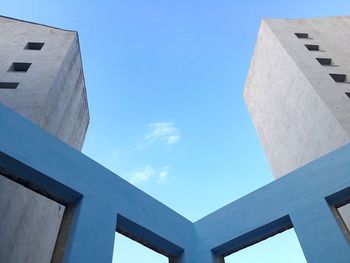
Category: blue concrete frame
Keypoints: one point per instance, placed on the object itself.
(99, 202)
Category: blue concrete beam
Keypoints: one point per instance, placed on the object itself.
(301, 195)
(304, 199)
(47, 165)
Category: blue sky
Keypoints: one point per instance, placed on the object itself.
(164, 81)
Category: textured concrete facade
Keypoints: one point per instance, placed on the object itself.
(50, 93)
(29, 224)
(300, 112)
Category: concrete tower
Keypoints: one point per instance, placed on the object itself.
(41, 78)
(298, 92)
(297, 89)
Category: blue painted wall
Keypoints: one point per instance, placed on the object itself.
(103, 202)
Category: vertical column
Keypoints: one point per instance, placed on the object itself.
(92, 232)
(205, 256)
(320, 234)
(198, 252)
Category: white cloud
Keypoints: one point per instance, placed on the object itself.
(148, 173)
(163, 174)
(141, 176)
(163, 131)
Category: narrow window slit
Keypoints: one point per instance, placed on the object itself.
(20, 66)
(8, 85)
(324, 61)
(34, 45)
(302, 35)
(338, 77)
(312, 47)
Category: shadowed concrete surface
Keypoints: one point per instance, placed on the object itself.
(26, 220)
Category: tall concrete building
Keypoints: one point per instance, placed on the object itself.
(298, 90)
(41, 78)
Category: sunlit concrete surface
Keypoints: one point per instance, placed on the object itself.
(300, 113)
(52, 92)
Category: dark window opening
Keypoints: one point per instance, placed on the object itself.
(324, 61)
(8, 85)
(338, 77)
(347, 94)
(20, 66)
(302, 35)
(34, 45)
(312, 47)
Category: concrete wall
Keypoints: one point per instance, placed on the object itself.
(29, 224)
(65, 109)
(299, 111)
(52, 92)
(52, 95)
